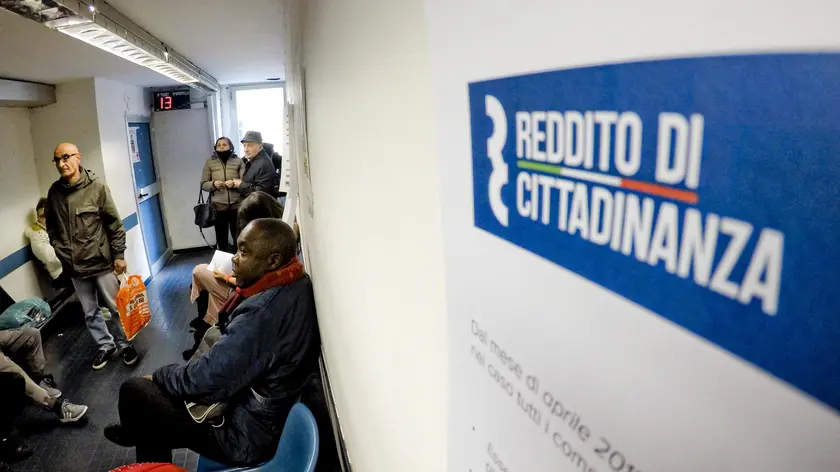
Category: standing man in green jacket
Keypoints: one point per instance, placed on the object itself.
(89, 239)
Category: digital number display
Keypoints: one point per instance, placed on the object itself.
(172, 100)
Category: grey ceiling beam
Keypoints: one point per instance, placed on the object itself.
(16, 93)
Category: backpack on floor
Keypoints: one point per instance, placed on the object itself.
(32, 312)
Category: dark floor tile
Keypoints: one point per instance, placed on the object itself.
(70, 351)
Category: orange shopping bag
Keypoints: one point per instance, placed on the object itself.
(133, 305)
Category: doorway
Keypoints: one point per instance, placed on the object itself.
(259, 108)
(147, 194)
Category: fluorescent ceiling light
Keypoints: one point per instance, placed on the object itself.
(96, 35)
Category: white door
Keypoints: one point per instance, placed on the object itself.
(183, 144)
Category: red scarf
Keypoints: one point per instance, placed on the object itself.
(286, 275)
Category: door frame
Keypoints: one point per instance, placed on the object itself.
(154, 266)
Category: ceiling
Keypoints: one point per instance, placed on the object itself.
(236, 42)
(31, 51)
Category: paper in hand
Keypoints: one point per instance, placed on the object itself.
(221, 262)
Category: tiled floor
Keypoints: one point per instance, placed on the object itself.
(70, 351)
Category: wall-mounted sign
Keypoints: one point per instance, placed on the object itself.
(641, 256)
(133, 150)
(704, 204)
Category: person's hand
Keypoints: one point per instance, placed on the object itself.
(219, 275)
(218, 184)
(237, 183)
(229, 184)
(120, 266)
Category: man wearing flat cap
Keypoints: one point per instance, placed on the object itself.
(258, 172)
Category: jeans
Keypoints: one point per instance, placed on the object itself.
(157, 423)
(24, 346)
(226, 221)
(12, 386)
(106, 287)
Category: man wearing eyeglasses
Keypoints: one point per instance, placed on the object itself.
(89, 239)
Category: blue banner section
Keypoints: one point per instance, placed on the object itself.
(705, 190)
(130, 221)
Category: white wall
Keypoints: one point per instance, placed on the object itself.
(19, 192)
(375, 241)
(71, 119)
(215, 108)
(115, 101)
(228, 126)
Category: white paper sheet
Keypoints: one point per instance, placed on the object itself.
(221, 262)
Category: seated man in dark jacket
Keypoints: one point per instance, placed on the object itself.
(268, 348)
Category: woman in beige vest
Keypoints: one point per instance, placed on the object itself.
(223, 167)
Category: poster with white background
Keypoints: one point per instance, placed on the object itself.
(642, 234)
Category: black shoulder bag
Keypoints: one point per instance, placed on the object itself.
(205, 214)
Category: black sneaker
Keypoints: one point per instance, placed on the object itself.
(130, 356)
(102, 358)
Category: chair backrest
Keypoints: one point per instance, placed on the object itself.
(298, 447)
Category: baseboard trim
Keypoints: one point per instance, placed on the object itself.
(343, 456)
(161, 262)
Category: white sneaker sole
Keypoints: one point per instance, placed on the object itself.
(99, 366)
(73, 420)
(132, 362)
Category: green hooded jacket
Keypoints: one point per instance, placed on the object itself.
(84, 226)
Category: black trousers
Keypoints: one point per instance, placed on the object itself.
(157, 423)
(13, 388)
(226, 221)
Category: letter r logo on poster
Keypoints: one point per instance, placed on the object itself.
(495, 144)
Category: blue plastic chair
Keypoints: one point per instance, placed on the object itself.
(296, 452)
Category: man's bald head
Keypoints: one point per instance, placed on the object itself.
(265, 245)
(68, 161)
(65, 148)
(274, 236)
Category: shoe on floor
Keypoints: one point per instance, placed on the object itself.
(198, 323)
(102, 358)
(118, 435)
(48, 384)
(69, 412)
(14, 451)
(187, 355)
(130, 356)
